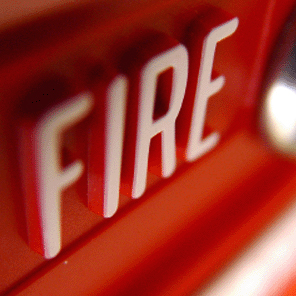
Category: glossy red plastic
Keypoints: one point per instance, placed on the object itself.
(179, 235)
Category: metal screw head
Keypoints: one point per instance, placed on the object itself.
(278, 109)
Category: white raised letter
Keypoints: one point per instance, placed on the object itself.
(116, 105)
(50, 177)
(176, 58)
(206, 87)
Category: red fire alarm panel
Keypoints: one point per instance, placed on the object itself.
(147, 148)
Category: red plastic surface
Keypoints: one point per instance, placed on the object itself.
(178, 235)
